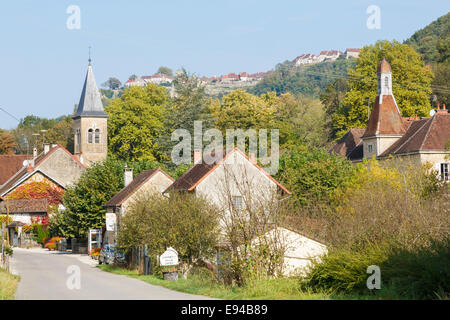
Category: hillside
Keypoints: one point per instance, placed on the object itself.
(308, 80)
(433, 41)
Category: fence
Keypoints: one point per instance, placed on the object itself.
(139, 260)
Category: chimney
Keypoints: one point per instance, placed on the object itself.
(29, 167)
(443, 110)
(252, 158)
(46, 148)
(127, 176)
(34, 153)
(197, 156)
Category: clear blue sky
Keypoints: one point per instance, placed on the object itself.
(43, 63)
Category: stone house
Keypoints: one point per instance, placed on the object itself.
(421, 140)
(55, 165)
(25, 210)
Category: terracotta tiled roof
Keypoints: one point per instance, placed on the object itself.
(422, 135)
(384, 66)
(190, 179)
(137, 182)
(348, 142)
(353, 50)
(25, 206)
(10, 164)
(385, 118)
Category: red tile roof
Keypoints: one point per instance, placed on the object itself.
(384, 66)
(385, 118)
(9, 165)
(427, 134)
(348, 142)
(137, 182)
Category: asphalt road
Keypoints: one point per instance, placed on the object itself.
(54, 276)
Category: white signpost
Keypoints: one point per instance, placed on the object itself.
(111, 221)
(169, 257)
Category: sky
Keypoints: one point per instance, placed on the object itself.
(43, 53)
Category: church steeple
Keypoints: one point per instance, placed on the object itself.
(90, 123)
(384, 73)
(90, 104)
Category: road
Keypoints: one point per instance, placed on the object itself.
(53, 276)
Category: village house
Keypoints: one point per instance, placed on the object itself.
(421, 140)
(329, 55)
(157, 78)
(154, 181)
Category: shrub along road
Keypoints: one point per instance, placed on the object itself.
(44, 275)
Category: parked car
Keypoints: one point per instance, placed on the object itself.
(110, 255)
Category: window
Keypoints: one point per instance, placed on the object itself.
(370, 148)
(444, 171)
(97, 136)
(237, 203)
(90, 135)
(78, 137)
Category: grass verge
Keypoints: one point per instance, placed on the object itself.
(272, 289)
(8, 285)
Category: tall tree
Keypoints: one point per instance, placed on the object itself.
(189, 104)
(165, 70)
(7, 142)
(135, 121)
(112, 83)
(62, 133)
(332, 98)
(411, 82)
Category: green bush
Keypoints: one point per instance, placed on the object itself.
(344, 270)
(41, 233)
(408, 273)
(423, 273)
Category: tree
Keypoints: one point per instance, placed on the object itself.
(136, 120)
(132, 77)
(184, 221)
(62, 133)
(410, 81)
(242, 110)
(7, 143)
(112, 83)
(300, 121)
(165, 70)
(84, 201)
(313, 175)
(332, 98)
(189, 104)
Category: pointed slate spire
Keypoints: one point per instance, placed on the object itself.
(90, 104)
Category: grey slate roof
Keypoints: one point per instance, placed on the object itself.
(90, 104)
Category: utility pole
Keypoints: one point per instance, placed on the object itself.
(7, 221)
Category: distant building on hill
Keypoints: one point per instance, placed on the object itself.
(352, 53)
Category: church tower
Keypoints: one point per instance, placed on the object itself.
(385, 124)
(90, 123)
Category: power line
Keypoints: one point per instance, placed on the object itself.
(12, 116)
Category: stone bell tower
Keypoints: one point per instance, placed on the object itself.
(90, 123)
